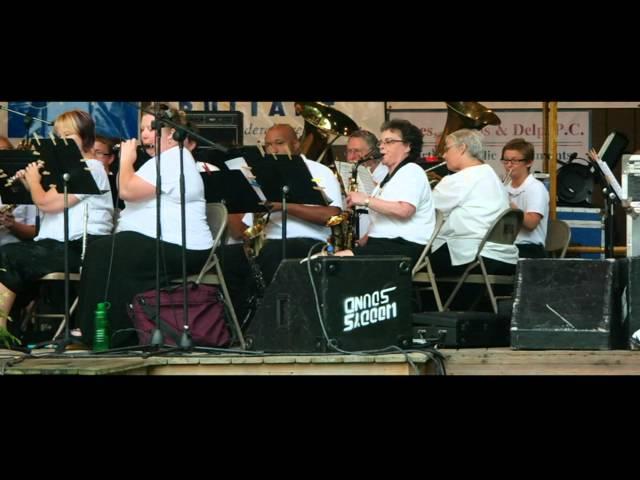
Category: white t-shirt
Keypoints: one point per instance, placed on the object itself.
(141, 216)
(25, 214)
(471, 200)
(100, 209)
(409, 184)
(296, 227)
(531, 196)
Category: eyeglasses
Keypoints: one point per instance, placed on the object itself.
(103, 154)
(512, 160)
(388, 141)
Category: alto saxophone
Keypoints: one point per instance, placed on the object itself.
(4, 209)
(342, 225)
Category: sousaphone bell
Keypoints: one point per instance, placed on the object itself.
(322, 126)
(471, 115)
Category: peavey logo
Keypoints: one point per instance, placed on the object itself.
(368, 309)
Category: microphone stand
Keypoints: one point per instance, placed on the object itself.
(157, 337)
(186, 341)
(285, 191)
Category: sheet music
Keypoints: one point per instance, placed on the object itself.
(366, 183)
(239, 163)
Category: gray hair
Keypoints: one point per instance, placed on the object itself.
(370, 139)
(472, 139)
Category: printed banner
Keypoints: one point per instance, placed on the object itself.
(574, 132)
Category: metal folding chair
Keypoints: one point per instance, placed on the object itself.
(503, 231)
(558, 238)
(211, 272)
(422, 271)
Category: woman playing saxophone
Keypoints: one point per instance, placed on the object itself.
(401, 209)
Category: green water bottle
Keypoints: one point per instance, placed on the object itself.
(101, 335)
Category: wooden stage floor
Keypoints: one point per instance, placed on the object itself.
(477, 361)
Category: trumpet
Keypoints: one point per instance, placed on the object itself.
(507, 178)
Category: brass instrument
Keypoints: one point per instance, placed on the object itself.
(255, 234)
(321, 123)
(254, 239)
(5, 209)
(471, 115)
(322, 126)
(343, 225)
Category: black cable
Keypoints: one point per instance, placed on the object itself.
(332, 343)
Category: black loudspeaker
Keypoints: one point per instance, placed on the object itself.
(224, 128)
(461, 329)
(567, 304)
(630, 282)
(364, 303)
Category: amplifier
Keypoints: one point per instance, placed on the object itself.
(631, 188)
(461, 329)
(364, 303)
(224, 128)
(587, 227)
(567, 304)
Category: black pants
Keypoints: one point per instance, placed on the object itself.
(241, 281)
(530, 250)
(391, 246)
(132, 271)
(22, 264)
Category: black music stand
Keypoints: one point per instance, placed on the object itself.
(65, 169)
(11, 161)
(231, 188)
(612, 193)
(284, 178)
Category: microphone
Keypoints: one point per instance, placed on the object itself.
(573, 156)
(373, 155)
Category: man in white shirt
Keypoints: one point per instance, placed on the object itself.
(361, 144)
(306, 224)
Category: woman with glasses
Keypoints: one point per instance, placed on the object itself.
(471, 199)
(400, 207)
(527, 194)
(23, 263)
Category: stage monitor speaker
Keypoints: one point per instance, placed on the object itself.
(567, 304)
(224, 128)
(630, 282)
(364, 303)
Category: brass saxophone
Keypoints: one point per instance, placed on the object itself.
(342, 225)
(4, 209)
